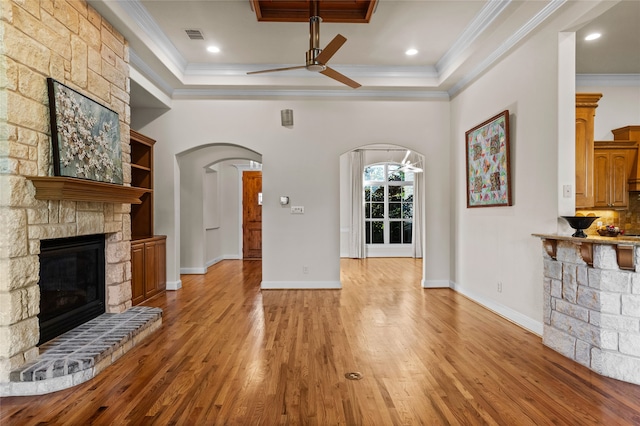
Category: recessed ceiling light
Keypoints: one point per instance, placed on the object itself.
(411, 52)
(592, 36)
(213, 49)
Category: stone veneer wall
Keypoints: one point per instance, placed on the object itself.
(592, 314)
(69, 41)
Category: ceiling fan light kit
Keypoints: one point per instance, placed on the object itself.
(316, 58)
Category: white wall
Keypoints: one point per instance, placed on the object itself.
(618, 107)
(303, 163)
(494, 245)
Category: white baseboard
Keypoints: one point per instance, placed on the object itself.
(189, 271)
(300, 285)
(202, 271)
(232, 257)
(437, 284)
(174, 285)
(214, 261)
(504, 311)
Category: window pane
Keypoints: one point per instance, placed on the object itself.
(367, 210)
(407, 210)
(377, 193)
(395, 193)
(377, 232)
(395, 232)
(367, 232)
(377, 210)
(374, 173)
(394, 210)
(408, 226)
(367, 193)
(408, 176)
(395, 175)
(407, 194)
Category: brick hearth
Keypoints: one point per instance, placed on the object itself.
(82, 353)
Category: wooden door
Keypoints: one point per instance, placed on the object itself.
(251, 215)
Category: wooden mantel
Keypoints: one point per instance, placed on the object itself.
(72, 189)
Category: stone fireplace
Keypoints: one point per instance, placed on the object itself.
(70, 42)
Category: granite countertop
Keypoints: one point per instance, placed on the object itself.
(596, 239)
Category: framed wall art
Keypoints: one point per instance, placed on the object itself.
(85, 136)
(488, 169)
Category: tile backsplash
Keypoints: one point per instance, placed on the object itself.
(628, 219)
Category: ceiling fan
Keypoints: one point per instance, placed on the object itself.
(317, 58)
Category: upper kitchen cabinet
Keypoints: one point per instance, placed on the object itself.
(613, 164)
(630, 134)
(586, 104)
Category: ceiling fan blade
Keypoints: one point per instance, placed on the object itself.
(277, 69)
(330, 72)
(331, 49)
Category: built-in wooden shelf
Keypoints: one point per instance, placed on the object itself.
(71, 189)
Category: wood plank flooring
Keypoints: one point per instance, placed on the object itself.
(230, 354)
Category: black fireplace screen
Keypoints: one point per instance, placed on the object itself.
(72, 283)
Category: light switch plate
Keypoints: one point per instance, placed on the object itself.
(297, 210)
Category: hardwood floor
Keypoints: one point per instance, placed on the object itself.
(230, 354)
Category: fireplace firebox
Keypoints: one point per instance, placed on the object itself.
(72, 283)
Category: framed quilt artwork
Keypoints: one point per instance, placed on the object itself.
(488, 170)
(85, 136)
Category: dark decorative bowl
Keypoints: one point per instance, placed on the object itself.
(579, 223)
(605, 233)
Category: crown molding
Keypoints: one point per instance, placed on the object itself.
(225, 70)
(315, 94)
(476, 27)
(631, 80)
(514, 39)
(136, 11)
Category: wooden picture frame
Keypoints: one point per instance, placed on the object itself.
(85, 136)
(488, 164)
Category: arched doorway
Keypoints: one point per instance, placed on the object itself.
(382, 213)
(210, 204)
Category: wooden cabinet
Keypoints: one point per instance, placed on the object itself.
(613, 164)
(148, 266)
(586, 104)
(630, 134)
(148, 251)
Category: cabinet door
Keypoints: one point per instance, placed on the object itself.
(601, 181)
(618, 174)
(161, 264)
(584, 158)
(151, 277)
(611, 170)
(137, 273)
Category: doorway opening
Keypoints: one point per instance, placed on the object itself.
(381, 203)
(211, 200)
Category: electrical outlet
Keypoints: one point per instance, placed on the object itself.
(305, 269)
(566, 191)
(499, 287)
(297, 209)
